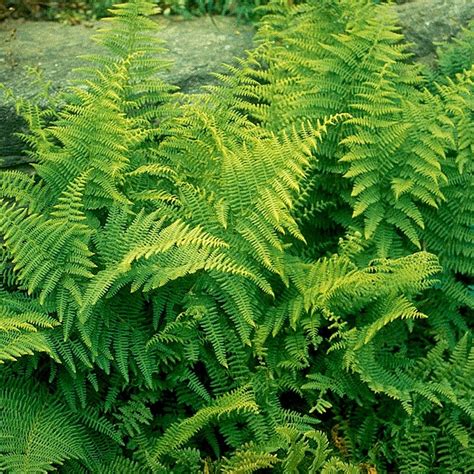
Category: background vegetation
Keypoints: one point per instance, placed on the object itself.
(75, 11)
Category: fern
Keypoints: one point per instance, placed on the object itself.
(457, 56)
(274, 274)
(47, 433)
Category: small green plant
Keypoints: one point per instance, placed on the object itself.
(457, 56)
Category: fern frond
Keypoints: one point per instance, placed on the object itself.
(240, 400)
(46, 434)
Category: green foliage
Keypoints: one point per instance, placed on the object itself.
(71, 11)
(76, 11)
(270, 276)
(47, 432)
(456, 56)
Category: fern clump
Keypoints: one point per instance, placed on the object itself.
(274, 275)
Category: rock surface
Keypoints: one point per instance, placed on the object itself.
(427, 22)
(198, 48)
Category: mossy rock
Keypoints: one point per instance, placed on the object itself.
(428, 22)
(198, 48)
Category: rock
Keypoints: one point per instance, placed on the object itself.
(427, 22)
(198, 48)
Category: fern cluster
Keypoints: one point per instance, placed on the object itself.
(273, 275)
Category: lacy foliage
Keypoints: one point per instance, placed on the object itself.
(274, 275)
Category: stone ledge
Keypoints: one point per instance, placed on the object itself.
(198, 48)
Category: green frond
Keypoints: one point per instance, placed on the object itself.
(248, 461)
(45, 435)
(22, 188)
(240, 401)
(38, 243)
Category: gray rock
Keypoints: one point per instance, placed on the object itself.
(198, 47)
(427, 22)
